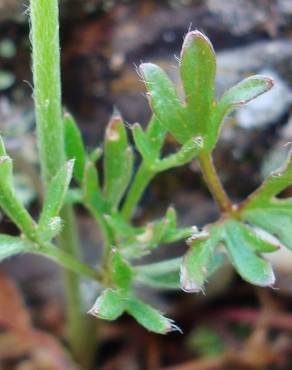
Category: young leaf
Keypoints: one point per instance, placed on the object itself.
(122, 273)
(197, 70)
(143, 145)
(108, 306)
(118, 162)
(156, 133)
(194, 268)
(240, 94)
(165, 102)
(49, 222)
(149, 317)
(91, 188)
(74, 146)
(11, 245)
(250, 267)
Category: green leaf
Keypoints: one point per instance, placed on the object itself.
(250, 267)
(5, 165)
(160, 275)
(275, 218)
(197, 70)
(95, 155)
(189, 150)
(118, 162)
(194, 268)
(149, 317)
(172, 233)
(91, 188)
(156, 133)
(122, 273)
(165, 102)
(278, 181)
(143, 145)
(108, 306)
(9, 202)
(240, 94)
(252, 237)
(11, 245)
(74, 146)
(49, 222)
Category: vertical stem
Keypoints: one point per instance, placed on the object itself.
(214, 183)
(81, 328)
(44, 15)
(141, 180)
(47, 85)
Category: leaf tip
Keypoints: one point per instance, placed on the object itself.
(194, 37)
(188, 285)
(112, 131)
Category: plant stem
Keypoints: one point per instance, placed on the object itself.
(47, 85)
(141, 180)
(214, 184)
(80, 325)
(66, 260)
(44, 16)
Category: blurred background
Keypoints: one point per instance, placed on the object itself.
(235, 326)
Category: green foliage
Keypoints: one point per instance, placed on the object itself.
(118, 162)
(74, 146)
(243, 233)
(50, 222)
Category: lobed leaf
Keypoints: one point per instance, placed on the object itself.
(118, 162)
(74, 146)
(121, 271)
(238, 95)
(149, 317)
(197, 70)
(164, 101)
(108, 306)
(250, 267)
(194, 268)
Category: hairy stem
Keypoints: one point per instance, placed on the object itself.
(214, 184)
(141, 181)
(44, 16)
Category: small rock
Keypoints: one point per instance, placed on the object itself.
(241, 16)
